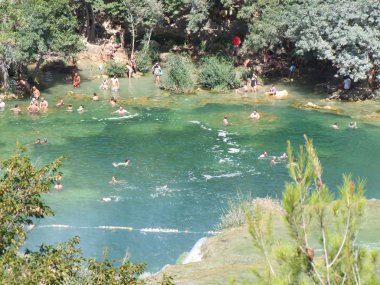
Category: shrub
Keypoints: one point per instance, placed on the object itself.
(115, 68)
(217, 73)
(180, 74)
(145, 59)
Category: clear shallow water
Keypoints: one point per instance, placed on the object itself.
(185, 165)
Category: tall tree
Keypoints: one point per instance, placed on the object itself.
(21, 186)
(48, 29)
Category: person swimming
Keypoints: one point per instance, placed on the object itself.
(121, 111)
(283, 156)
(114, 180)
(273, 160)
(254, 115)
(95, 97)
(263, 155)
(69, 108)
(125, 163)
(335, 126)
(81, 108)
(225, 121)
(352, 125)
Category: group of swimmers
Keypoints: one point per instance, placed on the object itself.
(254, 116)
(351, 125)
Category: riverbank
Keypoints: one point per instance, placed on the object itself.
(231, 254)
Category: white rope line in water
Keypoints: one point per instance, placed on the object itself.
(145, 230)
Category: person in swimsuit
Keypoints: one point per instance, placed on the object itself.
(115, 84)
(254, 82)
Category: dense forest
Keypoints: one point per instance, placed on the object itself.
(341, 37)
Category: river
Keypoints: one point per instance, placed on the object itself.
(185, 165)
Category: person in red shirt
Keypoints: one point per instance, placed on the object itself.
(236, 41)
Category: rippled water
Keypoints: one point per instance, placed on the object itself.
(185, 165)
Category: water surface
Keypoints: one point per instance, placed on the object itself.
(185, 165)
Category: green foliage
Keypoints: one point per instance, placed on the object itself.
(345, 33)
(310, 210)
(146, 57)
(235, 215)
(115, 68)
(21, 186)
(217, 73)
(179, 74)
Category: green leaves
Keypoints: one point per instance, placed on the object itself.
(21, 186)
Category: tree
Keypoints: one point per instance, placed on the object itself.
(8, 46)
(21, 186)
(311, 211)
(47, 29)
(346, 33)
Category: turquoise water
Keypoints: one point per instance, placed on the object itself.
(185, 165)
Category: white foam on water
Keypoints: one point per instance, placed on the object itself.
(159, 230)
(162, 191)
(55, 226)
(195, 254)
(201, 125)
(225, 160)
(120, 117)
(115, 228)
(233, 150)
(227, 175)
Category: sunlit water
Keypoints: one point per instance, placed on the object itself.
(185, 165)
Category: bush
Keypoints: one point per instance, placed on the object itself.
(217, 73)
(145, 59)
(115, 68)
(180, 74)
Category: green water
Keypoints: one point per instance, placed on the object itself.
(185, 165)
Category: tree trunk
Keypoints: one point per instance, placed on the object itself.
(39, 63)
(90, 23)
(133, 37)
(5, 75)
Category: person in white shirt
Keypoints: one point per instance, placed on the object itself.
(347, 83)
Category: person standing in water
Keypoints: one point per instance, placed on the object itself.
(115, 84)
(225, 121)
(76, 80)
(157, 72)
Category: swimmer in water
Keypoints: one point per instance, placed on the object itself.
(81, 109)
(60, 104)
(125, 163)
(352, 125)
(335, 126)
(263, 155)
(225, 121)
(283, 156)
(38, 141)
(113, 101)
(121, 111)
(95, 97)
(273, 161)
(114, 180)
(16, 109)
(105, 199)
(69, 108)
(255, 115)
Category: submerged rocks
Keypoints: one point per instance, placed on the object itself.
(357, 94)
(311, 105)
